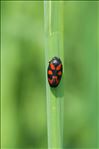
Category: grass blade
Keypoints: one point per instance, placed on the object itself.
(53, 21)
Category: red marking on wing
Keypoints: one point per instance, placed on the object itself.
(50, 72)
(59, 67)
(57, 81)
(52, 66)
(50, 81)
(54, 77)
(59, 73)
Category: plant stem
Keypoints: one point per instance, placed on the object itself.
(53, 21)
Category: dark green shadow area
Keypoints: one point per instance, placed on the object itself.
(59, 90)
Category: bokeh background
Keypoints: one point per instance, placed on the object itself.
(23, 103)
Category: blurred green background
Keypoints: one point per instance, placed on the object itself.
(23, 104)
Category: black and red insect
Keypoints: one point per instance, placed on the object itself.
(54, 71)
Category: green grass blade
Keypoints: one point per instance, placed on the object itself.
(53, 21)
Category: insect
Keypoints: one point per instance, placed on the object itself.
(54, 71)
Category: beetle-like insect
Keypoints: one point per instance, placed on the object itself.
(54, 71)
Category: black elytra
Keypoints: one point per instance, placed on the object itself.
(54, 71)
